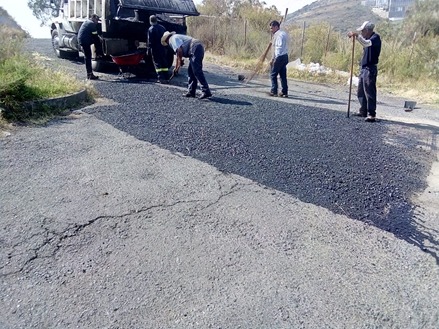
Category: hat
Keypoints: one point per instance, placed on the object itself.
(165, 37)
(366, 26)
(153, 20)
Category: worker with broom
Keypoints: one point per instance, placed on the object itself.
(367, 90)
(279, 60)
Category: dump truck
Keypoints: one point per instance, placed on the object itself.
(122, 28)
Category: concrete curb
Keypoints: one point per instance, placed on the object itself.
(60, 102)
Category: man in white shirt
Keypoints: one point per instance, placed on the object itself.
(279, 60)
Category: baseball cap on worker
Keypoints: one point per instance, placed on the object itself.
(366, 26)
(165, 37)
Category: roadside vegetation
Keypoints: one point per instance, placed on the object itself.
(237, 34)
(23, 79)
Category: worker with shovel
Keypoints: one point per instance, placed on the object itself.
(186, 46)
(367, 90)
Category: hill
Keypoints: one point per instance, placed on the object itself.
(9, 22)
(342, 15)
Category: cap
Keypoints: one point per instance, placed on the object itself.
(366, 26)
(165, 37)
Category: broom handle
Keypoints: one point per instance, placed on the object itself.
(285, 16)
(352, 70)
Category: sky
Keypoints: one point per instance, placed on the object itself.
(21, 13)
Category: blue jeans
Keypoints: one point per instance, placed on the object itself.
(86, 49)
(367, 90)
(195, 69)
(279, 67)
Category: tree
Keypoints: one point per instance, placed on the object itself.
(214, 7)
(43, 9)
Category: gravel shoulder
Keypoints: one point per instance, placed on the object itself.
(148, 210)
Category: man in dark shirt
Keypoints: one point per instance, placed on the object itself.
(367, 91)
(158, 51)
(88, 35)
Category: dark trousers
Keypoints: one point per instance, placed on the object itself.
(86, 49)
(195, 69)
(367, 90)
(279, 67)
(160, 64)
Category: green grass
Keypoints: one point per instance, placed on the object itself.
(22, 80)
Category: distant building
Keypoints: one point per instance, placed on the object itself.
(369, 3)
(395, 9)
(382, 3)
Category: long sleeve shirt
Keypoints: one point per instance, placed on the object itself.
(88, 33)
(280, 43)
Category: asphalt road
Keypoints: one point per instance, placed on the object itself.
(151, 210)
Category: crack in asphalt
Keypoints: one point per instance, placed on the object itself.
(73, 230)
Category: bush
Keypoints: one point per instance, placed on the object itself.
(11, 41)
(22, 80)
(404, 59)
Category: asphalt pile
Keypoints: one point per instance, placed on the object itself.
(319, 156)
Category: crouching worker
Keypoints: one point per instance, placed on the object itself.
(186, 46)
(87, 36)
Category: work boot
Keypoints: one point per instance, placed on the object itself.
(205, 94)
(189, 94)
(370, 119)
(361, 113)
(91, 76)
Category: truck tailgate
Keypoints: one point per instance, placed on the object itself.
(181, 7)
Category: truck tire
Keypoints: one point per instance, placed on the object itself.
(99, 65)
(66, 54)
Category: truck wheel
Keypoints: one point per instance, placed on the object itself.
(99, 65)
(59, 52)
